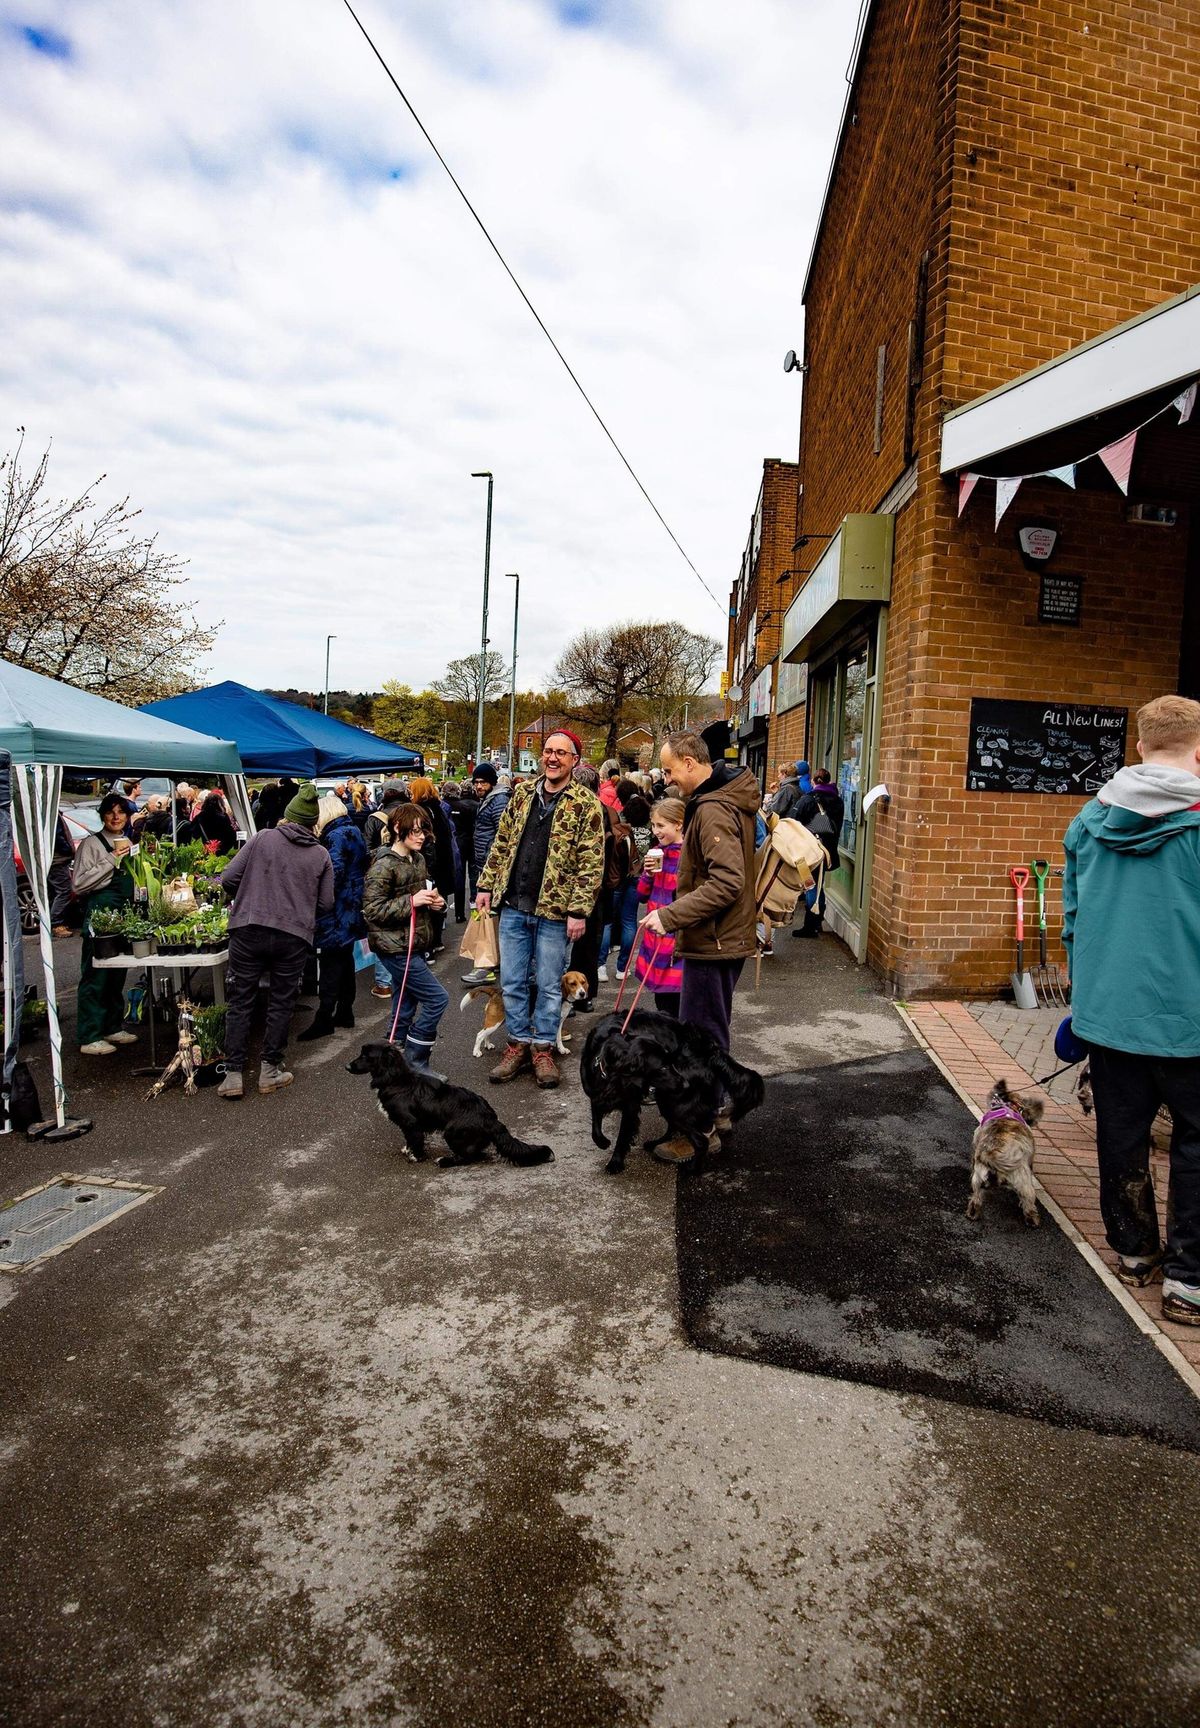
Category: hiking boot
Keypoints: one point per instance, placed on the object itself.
(1181, 1303)
(416, 1052)
(545, 1068)
(677, 1150)
(516, 1057)
(98, 1047)
(231, 1086)
(480, 975)
(1136, 1274)
(271, 1077)
(723, 1123)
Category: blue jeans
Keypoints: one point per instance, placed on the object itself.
(532, 949)
(625, 911)
(424, 998)
(382, 976)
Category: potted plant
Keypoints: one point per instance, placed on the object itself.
(33, 1016)
(208, 1025)
(105, 926)
(139, 933)
(168, 938)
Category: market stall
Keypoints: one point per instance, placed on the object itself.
(46, 726)
(277, 737)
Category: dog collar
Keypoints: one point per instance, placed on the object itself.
(1000, 1113)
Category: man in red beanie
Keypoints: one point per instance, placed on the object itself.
(543, 874)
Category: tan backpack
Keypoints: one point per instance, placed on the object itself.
(788, 863)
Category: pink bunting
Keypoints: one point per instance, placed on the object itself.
(966, 485)
(1118, 459)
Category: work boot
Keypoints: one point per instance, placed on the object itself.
(416, 1052)
(516, 1057)
(271, 1077)
(322, 1027)
(344, 1020)
(231, 1086)
(545, 1068)
(723, 1123)
(677, 1150)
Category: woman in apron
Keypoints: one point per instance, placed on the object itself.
(98, 881)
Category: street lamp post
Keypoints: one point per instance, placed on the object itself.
(328, 640)
(483, 474)
(512, 694)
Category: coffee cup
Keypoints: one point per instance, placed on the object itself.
(655, 857)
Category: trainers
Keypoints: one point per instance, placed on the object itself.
(120, 1038)
(383, 993)
(1181, 1303)
(515, 1059)
(99, 1047)
(545, 1068)
(602, 974)
(231, 1086)
(1140, 1272)
(480, 975)
(271, 1078)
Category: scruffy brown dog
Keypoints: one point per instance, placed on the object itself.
(1003, 1148)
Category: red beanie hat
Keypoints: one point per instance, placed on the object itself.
(567, 733)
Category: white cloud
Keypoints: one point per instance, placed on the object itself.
(216, 294)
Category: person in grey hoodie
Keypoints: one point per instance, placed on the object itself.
(280, 881)
(1131, 926)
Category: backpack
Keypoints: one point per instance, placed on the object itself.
(618, 857)
(785, 865)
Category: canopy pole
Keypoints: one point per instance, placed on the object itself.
(35, 806)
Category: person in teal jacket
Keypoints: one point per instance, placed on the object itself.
(1131, 925)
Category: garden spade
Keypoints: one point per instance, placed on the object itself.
(1024, 994)
(1047, 976)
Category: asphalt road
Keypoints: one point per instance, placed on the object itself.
(318, 1436)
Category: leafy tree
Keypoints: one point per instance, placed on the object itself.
(85, 598)
(409, 717)
(458, 688)
(634, 670)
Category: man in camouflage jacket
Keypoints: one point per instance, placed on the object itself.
(543, 875)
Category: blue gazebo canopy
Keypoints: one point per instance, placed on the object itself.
(277, 737)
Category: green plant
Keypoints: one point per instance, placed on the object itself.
(107, 921)
(136, 928)
(33, 1011)
(209, 1026)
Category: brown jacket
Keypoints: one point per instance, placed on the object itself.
(713, 910)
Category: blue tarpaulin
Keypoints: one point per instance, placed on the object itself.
(277, 737)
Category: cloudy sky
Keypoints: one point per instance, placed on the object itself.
(236, 281)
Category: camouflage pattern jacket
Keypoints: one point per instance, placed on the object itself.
(574, 860)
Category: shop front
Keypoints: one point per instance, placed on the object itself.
(837, 625)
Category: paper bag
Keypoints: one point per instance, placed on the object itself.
(481, 940)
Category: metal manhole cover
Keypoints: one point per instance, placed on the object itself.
(50, 1218)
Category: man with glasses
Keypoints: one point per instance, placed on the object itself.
(543, 873)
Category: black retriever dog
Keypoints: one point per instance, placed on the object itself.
(420, 1106)
(685, 1068)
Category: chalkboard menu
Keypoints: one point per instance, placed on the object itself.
(1062, 748)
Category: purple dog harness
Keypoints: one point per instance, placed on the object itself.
(1001, 1112)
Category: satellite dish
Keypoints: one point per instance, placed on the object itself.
(734, 693)
(792, 364)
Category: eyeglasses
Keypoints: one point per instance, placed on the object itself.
(549, 752)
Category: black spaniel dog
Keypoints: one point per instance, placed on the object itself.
(420, 1106)
(687, 1071)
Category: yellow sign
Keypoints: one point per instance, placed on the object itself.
(724, 682)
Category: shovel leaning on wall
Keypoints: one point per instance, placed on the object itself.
(1024, 994)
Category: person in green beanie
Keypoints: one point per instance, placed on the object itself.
(280, 882)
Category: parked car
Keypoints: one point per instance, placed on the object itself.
(80, 819)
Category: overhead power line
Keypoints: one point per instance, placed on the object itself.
(529, 303)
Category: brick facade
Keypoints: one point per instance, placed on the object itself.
(1012, 180)
(757, 599)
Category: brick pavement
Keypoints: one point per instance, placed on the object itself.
(977, 1043)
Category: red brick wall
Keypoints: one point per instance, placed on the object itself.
(1049, 169)
(764, 594)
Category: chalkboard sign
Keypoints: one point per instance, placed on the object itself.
(1061, 748)
(1060, 598)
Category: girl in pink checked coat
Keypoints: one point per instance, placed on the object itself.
(656, 962)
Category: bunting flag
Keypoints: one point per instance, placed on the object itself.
(1006, 491)
(1185, 402)
(966, 485)
(1066, 475)
(1118, 459)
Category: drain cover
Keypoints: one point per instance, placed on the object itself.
(48, 1219)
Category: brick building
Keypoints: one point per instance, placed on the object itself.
(756, 607)
(1001, 285)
